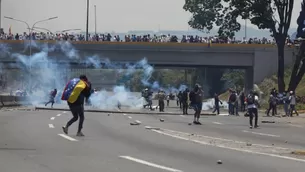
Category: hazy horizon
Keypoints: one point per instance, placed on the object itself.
(111, 17)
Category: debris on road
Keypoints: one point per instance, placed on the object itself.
(108, 114)
(298, 152)
(162, 120)
(249, 144)
(190, 123)
(270, 122)
(219, 162)
(134, 123)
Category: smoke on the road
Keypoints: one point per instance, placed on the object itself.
(43, 73)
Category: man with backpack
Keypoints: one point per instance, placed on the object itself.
(252, 104)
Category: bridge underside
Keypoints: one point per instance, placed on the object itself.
(116, 65)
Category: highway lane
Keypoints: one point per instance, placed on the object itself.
(112, 144)
(233, 128)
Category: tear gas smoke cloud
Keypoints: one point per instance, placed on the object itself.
(48, 74)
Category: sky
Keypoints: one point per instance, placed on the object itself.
(112, 15)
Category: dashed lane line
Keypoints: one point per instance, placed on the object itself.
(129, 117)
(52, 118)
(58, 114)
(261, 134)
(51, 126)
(68, 137)
(218, 123)
(149, 164)
(295, 125)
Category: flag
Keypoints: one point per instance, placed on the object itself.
(73, 90)
(301, 22)
(10, 30)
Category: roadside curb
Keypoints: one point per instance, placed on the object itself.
(298, 152)
(126, 112)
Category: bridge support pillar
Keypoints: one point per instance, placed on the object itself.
(249, 79)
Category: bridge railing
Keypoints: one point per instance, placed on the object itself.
(147, 43)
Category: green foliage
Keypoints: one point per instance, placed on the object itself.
(224, 14)
(234, 78)
(274, 15)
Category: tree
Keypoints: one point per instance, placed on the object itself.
(274, 15)
(299, 65)
(235, 77)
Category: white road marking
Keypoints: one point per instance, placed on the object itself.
(119, 110)
(223, 114)
(182, 116)
(67, 137)
(124, 114)
(222, 139)
(129, 117)
(137, 121)
(52, 118)
(64, 112)
(51, 126)
(58, 114)
(218, 123)
(231, 148)
(261, 134)
(150, 164)
(294, 125)
(150, 128)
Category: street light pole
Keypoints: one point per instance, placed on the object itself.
(95, 18)
(87, 22)
(30, 34)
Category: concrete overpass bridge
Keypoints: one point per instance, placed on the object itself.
(258, 60)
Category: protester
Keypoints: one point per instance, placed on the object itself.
(75, 93)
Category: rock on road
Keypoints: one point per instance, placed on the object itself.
(33, 141)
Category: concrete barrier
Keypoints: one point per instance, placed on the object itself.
(6, 101)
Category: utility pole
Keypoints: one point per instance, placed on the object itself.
(95, 18)
(87, 22)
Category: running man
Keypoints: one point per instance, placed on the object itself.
(52, 97)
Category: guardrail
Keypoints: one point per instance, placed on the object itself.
(12, 100)
(148, 43)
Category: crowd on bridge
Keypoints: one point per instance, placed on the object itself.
(136, 38)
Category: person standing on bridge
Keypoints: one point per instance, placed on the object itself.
(75, 93)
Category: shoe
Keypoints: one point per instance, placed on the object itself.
(256, 126)
(195, 122)
(250, 127)
(80, 134)
(65, 130)
(199, 123)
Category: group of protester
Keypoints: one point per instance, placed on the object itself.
(185, 99)
(287, 99)
(237, 102)
(136, 38)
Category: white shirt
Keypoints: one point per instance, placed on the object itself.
(292, 100)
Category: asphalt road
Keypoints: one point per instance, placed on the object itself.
(33, 141)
